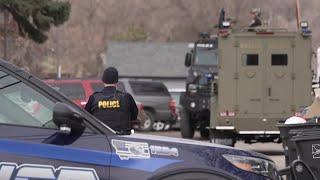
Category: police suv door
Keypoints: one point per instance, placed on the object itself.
(31, 146)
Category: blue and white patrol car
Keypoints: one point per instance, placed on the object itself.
(44, 136)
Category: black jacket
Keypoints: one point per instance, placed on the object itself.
(114, 108)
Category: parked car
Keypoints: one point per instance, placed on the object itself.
(63, 141)
(79, 91)
(159, 107)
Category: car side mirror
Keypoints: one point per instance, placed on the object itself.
(188, 60)
(67, 119)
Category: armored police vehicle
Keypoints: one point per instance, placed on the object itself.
(202, 61)
(264, 76)
(44, 135)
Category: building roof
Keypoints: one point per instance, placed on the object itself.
(141, 59)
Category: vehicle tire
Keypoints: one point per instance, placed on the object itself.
(149, 121)
(205, 133)
(158, 126)
(187, 127)
(222, 138)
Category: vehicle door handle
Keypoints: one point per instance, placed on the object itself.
(269, 91)
(271, 99)
(255, 100)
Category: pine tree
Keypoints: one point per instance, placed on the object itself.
(35, 17)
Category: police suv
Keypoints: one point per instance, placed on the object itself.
(43, 135)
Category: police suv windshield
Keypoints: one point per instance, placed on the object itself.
(206, 57)
(22, 105)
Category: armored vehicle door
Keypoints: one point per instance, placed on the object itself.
(250, 78)
(278, 77)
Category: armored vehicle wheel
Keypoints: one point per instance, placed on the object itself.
(223, 138)
(205, 133)
(149, 121)
(187, 127)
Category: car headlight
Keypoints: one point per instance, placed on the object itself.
(192, 88)
(255, 165)
(195, 74)
(192, 104)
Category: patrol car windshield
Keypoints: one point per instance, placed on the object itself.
(206, 57)
(22, 105)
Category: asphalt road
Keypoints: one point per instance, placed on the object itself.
(272, 150)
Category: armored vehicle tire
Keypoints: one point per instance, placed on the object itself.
(205, 133)
(149, 121)
(186, 126)
(223, 138)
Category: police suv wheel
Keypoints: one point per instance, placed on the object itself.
(149, 121)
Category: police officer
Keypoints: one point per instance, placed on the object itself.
(114, 108)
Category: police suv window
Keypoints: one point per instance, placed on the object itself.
(22, 105)
(279, 60)
(250, 60)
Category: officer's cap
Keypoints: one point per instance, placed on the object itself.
(110, 75)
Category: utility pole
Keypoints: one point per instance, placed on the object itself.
(298, 13)
(58, 55)
(5, 34)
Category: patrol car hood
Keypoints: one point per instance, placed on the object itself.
(185, 143)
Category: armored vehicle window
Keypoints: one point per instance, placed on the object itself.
(279, 60)
(206, 57)
(250, 60)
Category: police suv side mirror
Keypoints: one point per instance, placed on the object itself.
(188, 60)
(67, 119)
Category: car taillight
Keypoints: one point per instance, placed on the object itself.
(83, 103)
(223, 114)
(227, 114)
(231, 114)
(172, 106)
(141, 106)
